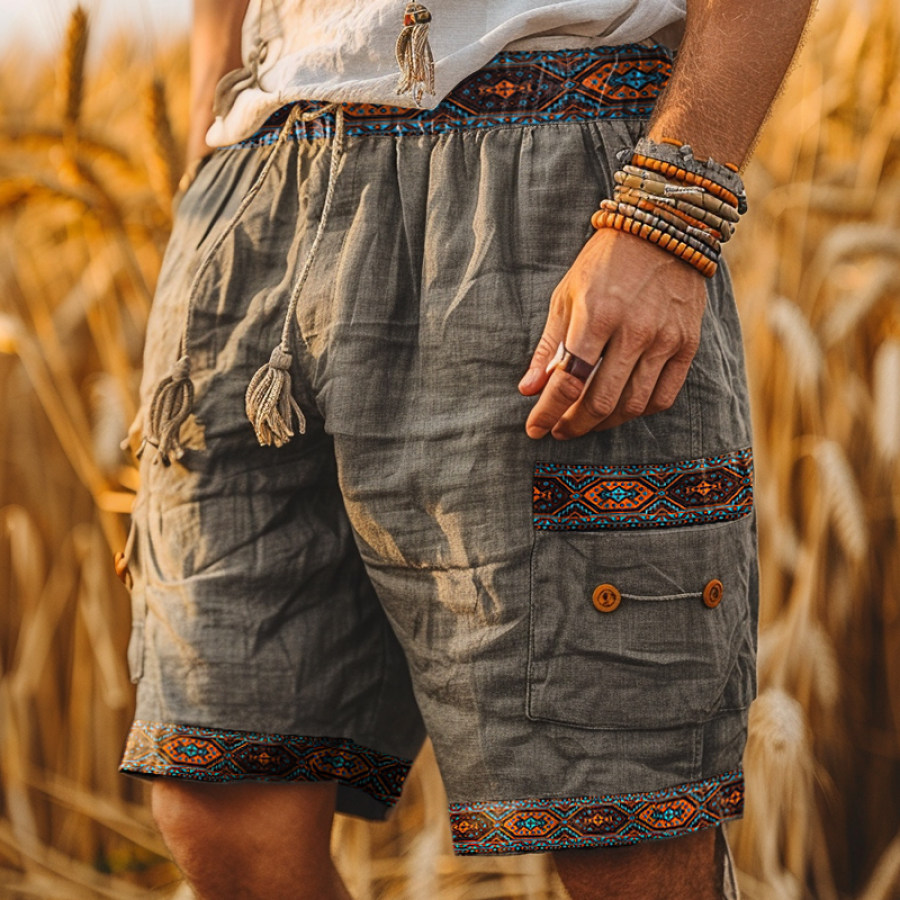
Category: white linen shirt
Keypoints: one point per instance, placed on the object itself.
(343, 50)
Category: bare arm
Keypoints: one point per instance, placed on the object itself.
(215, 50)
(628, 299)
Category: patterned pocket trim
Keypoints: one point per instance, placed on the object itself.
(662, 495)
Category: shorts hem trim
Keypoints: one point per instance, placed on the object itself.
(216, 755)
(610, 820)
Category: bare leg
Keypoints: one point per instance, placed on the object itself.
(684, 868)
(249, 841)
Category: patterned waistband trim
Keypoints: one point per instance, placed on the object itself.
(618, 498)
(534, 826)
(211, 754)
(522, 87)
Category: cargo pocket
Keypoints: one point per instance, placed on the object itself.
(643, 585)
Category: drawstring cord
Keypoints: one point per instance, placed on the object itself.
(269, 403)
(268, 400)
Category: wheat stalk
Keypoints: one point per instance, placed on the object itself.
(84, 224)
(163, 164)
(72, 68)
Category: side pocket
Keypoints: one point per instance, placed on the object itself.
(132, 557)
(643, 595)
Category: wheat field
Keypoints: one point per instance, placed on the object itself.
(89, 158)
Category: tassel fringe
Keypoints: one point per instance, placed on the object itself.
(414, 54)
(169, 408)
(269, 402)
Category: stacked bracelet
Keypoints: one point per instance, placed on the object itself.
(700, 261)
(693, 236)
(686, 206)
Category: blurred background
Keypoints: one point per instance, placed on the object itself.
(93, 110)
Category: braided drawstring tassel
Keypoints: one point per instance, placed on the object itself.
(414, 54)
(169, 408)
(269, 401)
(173, 397)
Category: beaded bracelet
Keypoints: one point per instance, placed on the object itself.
(700, 261)
(672, 216)
(686, 206)
(672, 171)
(696, 196)
(673, 233)
(680, 155)
(700, 218)
(675, 143)
(701, 240)
(655, 235)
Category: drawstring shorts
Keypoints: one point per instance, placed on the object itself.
(573, 624)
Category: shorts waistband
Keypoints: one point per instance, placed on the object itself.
(522, 87)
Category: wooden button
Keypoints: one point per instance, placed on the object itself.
(713, 593)
(606, 597)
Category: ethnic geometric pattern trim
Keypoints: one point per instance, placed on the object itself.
(522, 87)
(211, 754)
(664, 495)
(530, 826)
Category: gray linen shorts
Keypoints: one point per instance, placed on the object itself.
(572, 623)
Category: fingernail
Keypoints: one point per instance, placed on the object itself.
(529, 378)
(557, 358)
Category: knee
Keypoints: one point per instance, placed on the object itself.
(187, 812)
(184, 815)
(198, 819)
(249, 839)
(685, 866)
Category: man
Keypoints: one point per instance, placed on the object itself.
(561, 580)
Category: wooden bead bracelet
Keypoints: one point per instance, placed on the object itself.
(699, 240)
(672, 216)
(686, 206)
(692, 215)
(670, 170)
(681, 156)
(696, 196)
(699, 260)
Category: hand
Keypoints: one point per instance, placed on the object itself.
(639, 306)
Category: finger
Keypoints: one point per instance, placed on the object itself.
(586, 341)
(668, 387)
(537, 375)
(602, 397)
(671, 381)
(540, 367)
(634, 396)
(561, 391)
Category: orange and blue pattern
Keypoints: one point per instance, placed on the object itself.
(532, 826)
(216, 755)
(663, 495)
(521, 87)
